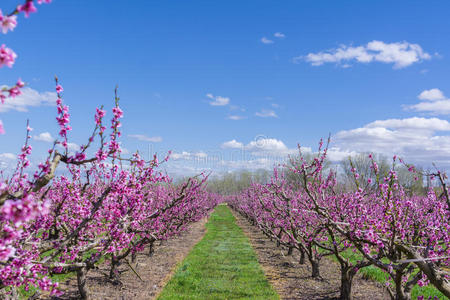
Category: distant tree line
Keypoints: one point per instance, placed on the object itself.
(235, 182)
(414, 183)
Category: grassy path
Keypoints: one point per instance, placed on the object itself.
(222, 265)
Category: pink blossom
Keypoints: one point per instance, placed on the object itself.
(7, 22)
(20, 83)
(6, 252)
(44, 167)
(14, 92)
(118, 113)
(59, 88)
(99, 115)
(7, 56)
(80, 156)
(27, 8)
(2, 129)
(21, 210)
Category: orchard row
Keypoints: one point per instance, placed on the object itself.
(405, 236)
(102, 207)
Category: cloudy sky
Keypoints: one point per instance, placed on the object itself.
(237, 84)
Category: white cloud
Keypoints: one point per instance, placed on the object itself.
(201, 154)
(336, 155)
(437, 107)
(266, 113)
(44, 137)
(188, 155)
(401, 54)
(433, 102)
(233, 144)
(235, 117)
(7, 156)
(262, 146)
(144, 138)
(415, 139)
(73, 147)
(262, 153)
(250, 164)
(415, 123)
(279, 35)
(266, 41)
(236, 107)
(7, 161)
(218, 100)
(28, 98)
(432, 95)
(181, 169)
(70, 146)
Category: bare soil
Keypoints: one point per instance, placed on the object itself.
(293, 281)
(155, 271)
(290, 279)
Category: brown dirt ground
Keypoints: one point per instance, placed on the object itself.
(293, 281)
(155, 270)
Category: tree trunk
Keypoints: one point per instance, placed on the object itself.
(315, 273)
(400, 293)
(346, 283)
(302, 257)
(133, 257)
(279, 235)
(290, 250)
(113, 272)
(151, 250)
(82, 286)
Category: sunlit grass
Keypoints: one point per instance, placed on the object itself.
(222, 266)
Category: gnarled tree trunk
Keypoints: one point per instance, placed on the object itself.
(302, 257)
(82, 285)
(347, 275)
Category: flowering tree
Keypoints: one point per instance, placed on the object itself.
(103, 206)
(407, 237)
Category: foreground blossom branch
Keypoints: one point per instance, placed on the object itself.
(7, 56)
(97, 209)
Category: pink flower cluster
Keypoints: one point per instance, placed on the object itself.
(99, 209)
(28, 7)
(7, 22)
(23, 210)
(7, 56)
(405, 236)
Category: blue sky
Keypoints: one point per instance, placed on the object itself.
(373, 74)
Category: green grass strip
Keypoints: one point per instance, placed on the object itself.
(222, 265)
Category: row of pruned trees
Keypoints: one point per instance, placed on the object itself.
(406, 236)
